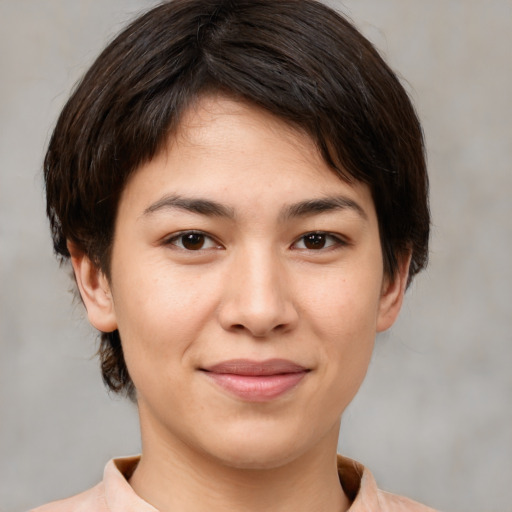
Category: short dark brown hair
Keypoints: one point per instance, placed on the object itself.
(298, 59)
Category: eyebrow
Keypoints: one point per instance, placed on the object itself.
(210, 208)
(323, 205)
(193, 205)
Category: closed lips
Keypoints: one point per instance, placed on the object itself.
(256, 368)
(254, 381)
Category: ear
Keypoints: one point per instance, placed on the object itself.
(392, 295)
(94, 289)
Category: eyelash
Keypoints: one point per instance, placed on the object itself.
(177, 237)
(336, 241)
(329, 240)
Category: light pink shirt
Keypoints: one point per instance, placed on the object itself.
(114, 493)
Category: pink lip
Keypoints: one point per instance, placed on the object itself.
(256, 381)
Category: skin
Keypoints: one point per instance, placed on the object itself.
(252, 287)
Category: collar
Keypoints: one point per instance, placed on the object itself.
(357, 482)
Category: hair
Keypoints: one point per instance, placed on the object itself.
(297, 59)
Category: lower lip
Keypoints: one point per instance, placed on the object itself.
(257, 388)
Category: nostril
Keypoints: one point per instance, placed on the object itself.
(256, 332)
(260, 316)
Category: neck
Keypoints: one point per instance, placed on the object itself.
(171, 476)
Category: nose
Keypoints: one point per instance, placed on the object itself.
(258, 297)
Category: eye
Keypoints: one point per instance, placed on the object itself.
(193, 241)
(317, 240)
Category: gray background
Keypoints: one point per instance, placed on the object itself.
(434, 418)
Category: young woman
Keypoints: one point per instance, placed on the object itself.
(241, 189)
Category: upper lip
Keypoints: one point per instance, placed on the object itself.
(255, 368)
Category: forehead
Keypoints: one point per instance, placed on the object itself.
(212, 109)
(236, 154)
(222, 126)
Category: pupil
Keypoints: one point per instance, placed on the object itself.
(193, 241)
(314, 241)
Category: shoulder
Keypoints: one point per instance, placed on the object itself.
(393, 503)
(360, 486)
(113, 493)
(92, 500)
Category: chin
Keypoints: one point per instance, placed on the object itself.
(257, 451)
(253, 460)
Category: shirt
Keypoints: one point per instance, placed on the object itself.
(114, 493)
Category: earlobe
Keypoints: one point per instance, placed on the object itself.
(94, 289)
(393, 290)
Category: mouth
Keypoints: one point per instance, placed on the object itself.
(256, 381)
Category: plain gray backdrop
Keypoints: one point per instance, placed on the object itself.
(434, 418)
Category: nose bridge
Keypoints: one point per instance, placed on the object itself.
(260, 270)
(258, 298)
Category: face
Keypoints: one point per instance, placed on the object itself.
(247, 286)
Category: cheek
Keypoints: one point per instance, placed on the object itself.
(343, 304)
(160, 313)
(342, 312)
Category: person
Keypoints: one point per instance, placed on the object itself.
(241, 189)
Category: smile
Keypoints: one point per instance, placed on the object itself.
(256, 381)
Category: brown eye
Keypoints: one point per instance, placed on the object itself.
(193, 241)
(318, 240)
(315, 240)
